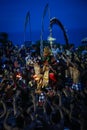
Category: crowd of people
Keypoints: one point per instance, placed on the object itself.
(43, 92)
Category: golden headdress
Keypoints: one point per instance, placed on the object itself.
(46, 51)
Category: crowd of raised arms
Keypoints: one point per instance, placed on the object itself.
(47, 91)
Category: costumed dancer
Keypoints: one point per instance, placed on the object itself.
(50, 63)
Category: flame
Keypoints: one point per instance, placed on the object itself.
(18, 76)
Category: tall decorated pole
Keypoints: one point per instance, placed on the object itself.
(56, 21)
(27, 20)
(50, 38)
(42, 27)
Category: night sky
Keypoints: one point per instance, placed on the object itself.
(72, 14)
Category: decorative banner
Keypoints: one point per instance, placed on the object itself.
(27, 20)
(42, 28)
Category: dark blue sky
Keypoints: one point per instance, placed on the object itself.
(72, 14)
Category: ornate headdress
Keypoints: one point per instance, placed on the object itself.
(46, 51)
